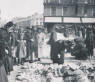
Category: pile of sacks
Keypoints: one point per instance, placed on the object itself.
(70, 72)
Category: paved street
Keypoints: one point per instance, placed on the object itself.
(12, 76)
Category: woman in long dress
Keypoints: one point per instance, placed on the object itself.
(41, 37)
(21, 49)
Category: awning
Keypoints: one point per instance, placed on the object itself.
(69, 20)
(53, 19)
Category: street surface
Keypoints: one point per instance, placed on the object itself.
(67, 59)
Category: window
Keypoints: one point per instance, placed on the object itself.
(41, 23)
(73, 1)
(81, 1)
(41, 19)
(64, 11)
(37, 19)
(44, 1)
(53, 11)
(36, 23)
(91, 1)
(93, 11)
(80, 11)
(48, 1)
(59, 1)
(52, 1)
(69, 11)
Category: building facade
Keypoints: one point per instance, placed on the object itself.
(37, 19)
(69, 8)
(69, 12)
(22, 22)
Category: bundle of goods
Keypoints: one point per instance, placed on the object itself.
(69, 45)
(37, 72)
(79, 50)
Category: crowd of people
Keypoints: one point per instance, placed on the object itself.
(28, 44)
(18, 46)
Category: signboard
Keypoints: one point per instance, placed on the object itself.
(88, 20)
(71, 20)
(68, 20)
(53, 19)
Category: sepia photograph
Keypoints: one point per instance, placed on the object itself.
(47, 40)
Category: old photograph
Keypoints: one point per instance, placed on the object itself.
(47, 40)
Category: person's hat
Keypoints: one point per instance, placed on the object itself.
(9, 24)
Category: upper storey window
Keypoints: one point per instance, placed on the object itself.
(53, 11)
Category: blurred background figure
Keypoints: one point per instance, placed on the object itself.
(89, 41)
(29, 44)
(35, 42)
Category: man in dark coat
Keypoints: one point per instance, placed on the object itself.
(4, 33)
(3, 75)
(35, 41)
(53, 38)
(59, 52)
